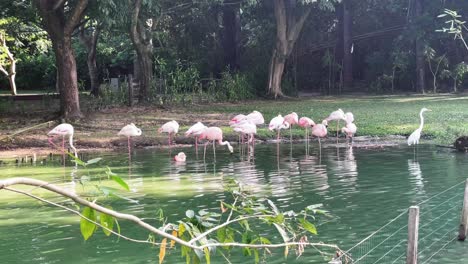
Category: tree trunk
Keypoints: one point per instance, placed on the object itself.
(67, 81)
(90, 42)
(232, 31)
(60, 22)
(143, 44)
(145, 59)
(347, 45)
(288, 28)
(419, 46)
(276, 74)
(455, 85)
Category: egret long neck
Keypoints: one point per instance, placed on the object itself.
(71, 145)
(422, 120)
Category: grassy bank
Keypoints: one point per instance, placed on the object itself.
(374, 116)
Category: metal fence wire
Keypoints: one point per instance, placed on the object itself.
(439, 220)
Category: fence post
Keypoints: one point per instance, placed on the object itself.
(464, 216)
(130, 90)
(413, 225)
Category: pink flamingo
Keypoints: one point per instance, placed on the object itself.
(181, 157)
(292, 119)
(278, 123)
(129, 131)
(171, 127)
(255, 118)
(306, 122)
(248, 129)
(350, 129)
(320, 131)
(214, 134)
(349, 117)
(195, 131)
(337, 116)
(237, 119)
(63, 130)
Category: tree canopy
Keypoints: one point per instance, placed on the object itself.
(229, 48)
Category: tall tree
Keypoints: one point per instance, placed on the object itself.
(60, 19)
(231, 34)
(89, 36)
(141, 36)
(290, 18)
(347, 45)
(419, 51)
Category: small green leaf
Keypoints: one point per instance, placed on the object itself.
(207, 255)
(308, 226)
(77, 160)
(92, 161)
(257, 256)
(107, 221)
(121, 182)
(87, 228)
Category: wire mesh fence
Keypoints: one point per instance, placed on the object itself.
(439, 220)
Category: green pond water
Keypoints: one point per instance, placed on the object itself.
(363, 189)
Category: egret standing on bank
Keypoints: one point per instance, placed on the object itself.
(413, 139)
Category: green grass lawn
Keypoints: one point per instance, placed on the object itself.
(374, 115)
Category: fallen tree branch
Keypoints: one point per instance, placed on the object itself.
(27, 129)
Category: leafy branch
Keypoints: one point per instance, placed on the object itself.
(200, 235)
(456, 26)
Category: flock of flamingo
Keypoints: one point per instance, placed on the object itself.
(245, 125)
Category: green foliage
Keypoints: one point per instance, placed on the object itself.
(88, 227)
(110, 96)
(456, 26)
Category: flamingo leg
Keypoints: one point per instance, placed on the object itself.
(290, 134)
(277, 138)
(63, 144)
(196, 145)
(204, 150)
(129, 151)
(337, 127)
(214, 150)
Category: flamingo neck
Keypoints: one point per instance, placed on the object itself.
(71, 145)
(225, 143)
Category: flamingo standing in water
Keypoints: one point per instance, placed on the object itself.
(337, 116)
(255, 118)
(63, 130)
(247, 128)
(306, 122)
(129, 131)
(320, 131)
(235, 121)
(171, 127)
(195, 131)
(278, 123)
(350, 129)
(214, 134)
(349, 117)
(291, 119)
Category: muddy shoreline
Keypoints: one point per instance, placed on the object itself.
(29, 145)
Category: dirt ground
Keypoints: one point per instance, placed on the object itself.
(98, 130)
